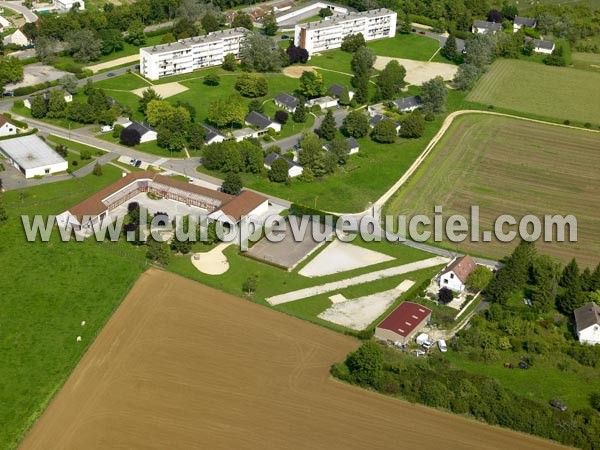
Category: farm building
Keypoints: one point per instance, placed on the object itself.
(294, 169)
(587, 319)
(454, 275)
(90, 212)
(337, 90)
(521, 22)
(286, 101)
(408, 104)
(146, 132)
(261, 121)
(32, 156)
(7, 127)
(403, 323)
(482, 26)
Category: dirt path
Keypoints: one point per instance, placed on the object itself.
(182, 366)
(365, 278)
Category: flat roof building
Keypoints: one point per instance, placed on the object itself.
(187, 55)
(327, 34)
(32, 156)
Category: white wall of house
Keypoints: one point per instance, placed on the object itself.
(8, 129)
(295, 171)
(452, 282)
(148, 136)
(545, 51)
(590, 335)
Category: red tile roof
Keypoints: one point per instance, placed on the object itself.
(462, 267)
(243, 204)
(405, 318)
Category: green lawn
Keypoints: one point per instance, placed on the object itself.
(125, 82)
(409, 46)
(539, 90)
(63, 122)
(586, 61)
(75, 161)
(49, 288)
(337, 60)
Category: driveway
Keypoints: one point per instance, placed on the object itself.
(18, 7)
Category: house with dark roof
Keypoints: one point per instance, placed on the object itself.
(286, 101)
(261, 121)
(337, 90)
(146, 132)
(380, 118)
(7, 127)
(545, 47)
(46, 96)
(587, 321)
(403, 323)
(294, 169)
(454, 276)
(353, 146)
(520, 22)
(408, 104)
(483, 26)
(212, 134)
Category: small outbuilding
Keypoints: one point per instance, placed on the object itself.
(146, 132)
(322, 102)
(32, 156)
(403, 323)
(337, 90)
(7, 128)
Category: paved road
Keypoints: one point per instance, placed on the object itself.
(18, 7)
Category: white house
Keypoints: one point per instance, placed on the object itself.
(46, 96)
(212, 135)
(7, 128)
(454, 276)
(353, 146)
(482, 27)
(32, 156)
(408, 104)
(146, 132)
(17, 38)
(262, 122)
(521, 22)
(545, 47)
(380, 118)
(286, 101)
(322, 102)
(187, 55)
(245, 133)
(4, 23)
(67, 5)
(587, 319)
(294, 169)
(337, 90)
(327, 34)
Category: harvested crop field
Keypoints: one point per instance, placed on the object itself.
(511, 166)
(183, 366)
(545, 91)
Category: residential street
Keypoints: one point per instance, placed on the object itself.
(18, 7)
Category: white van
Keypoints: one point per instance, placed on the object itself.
(442, 346)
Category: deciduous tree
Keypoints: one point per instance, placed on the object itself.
(356, 124)
(232, 184)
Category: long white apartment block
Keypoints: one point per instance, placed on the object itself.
(187, 55)
(327, 34)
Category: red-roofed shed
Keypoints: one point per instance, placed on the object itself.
(403, 323)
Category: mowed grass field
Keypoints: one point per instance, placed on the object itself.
(47, 290)
(181, 365)
(542, 91)
(511, 166)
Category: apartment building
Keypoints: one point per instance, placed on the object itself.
(187, 55)
(327, 34)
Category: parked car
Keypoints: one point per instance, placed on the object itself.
(427, 345)
(110, 74)
(136, 67)
(285, 36)
(297, 146)
(414, 30)
(138, 163)
(442, 346)
(558, 404)
(523, 365)
(106, 128)
(422, 32)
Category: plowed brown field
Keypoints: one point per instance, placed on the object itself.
(183, 366)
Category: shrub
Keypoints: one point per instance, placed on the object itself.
(281, 116)
(130, 137)
(587, 125)
(85, 155)
(97, 170)
(567, 122)
(75, 163)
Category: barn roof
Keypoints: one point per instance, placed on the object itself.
(405, 318)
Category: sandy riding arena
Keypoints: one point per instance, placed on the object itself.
(418, 72)
(183, 366)
(164, 90)
(296, 71)
(213, 262)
